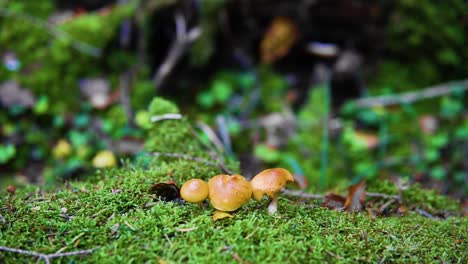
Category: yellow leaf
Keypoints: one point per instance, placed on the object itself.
(218, 215)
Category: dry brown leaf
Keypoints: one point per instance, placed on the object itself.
(356, 196)
(334, 201)
(278, 40)
(166, 191)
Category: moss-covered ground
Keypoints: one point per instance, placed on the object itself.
(114, 212)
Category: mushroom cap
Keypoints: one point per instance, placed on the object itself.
(269, 182)
(229, 193)
(104, 159)
(194, 191)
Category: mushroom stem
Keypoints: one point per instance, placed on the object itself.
(273, 205)
(202, 205)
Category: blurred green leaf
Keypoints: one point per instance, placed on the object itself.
(42, 105)
(431, 154)
(82, 120)
(267, 154)
(438, 173)
(206, 99)
(450, 107)
(6, 153)
(439, 140)
(221, 90)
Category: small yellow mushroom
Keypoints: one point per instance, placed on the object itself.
(229, 193)
(62, 149)
(194, 191)
(269, 182)
(104, 159)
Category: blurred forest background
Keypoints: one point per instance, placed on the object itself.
(334, 90)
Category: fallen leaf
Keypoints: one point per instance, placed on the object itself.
(334, 201)
(278, 40)
(356, 196)
(167, 191)
(218, 215)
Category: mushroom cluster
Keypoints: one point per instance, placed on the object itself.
(227, 193)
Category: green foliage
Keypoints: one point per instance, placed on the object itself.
(204, 46)
(97, 29)
(7, 152)
(67, 48)
(174, 136)
(427, 44)
(268, 155)
(71, 48)
(273, 88)
(432, 31)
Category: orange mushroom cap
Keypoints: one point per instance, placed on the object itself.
(194, 191)
(269, 182)
(228, 193)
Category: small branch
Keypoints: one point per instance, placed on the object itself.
(46, 257)
(382, 195)
(426, 214)
(302, 194)
(168, 240)
(409, 97)
(197, 159)
(73, 253)
(305, 195)
(165, 117)
(181, 43)
(213, 152)
(387, 204)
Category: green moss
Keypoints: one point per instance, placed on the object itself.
(417, 197)
(177, 136)
(114, 212)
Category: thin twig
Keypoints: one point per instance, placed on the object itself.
(168, 240)
(305, 195)
(165, 117)
(302, 194)
(409, 97)
(181, 43)
(382, 195)
(47, 257)
(73, 253)
(387, 204)
(211, 135)
(426, 214)
(213, 152)
(192, 158)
